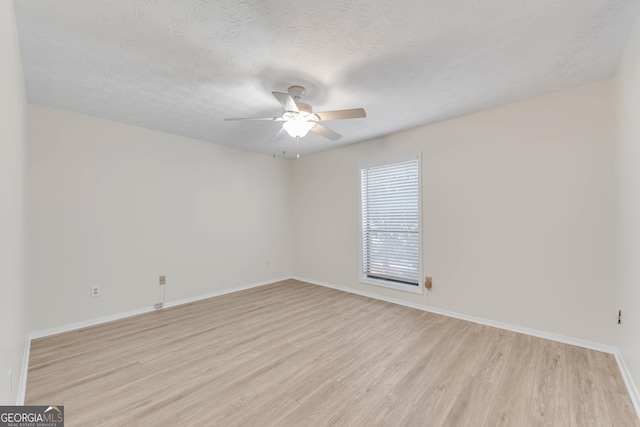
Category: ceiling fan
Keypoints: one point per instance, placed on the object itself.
(299, 118)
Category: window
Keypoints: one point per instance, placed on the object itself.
(391, 238)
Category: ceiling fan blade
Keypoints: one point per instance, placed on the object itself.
(354, 113)
(278, 135)
(271, 119)
(326, 132)
(286, 100)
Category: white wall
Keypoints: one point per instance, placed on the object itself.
(627, 162)
(517, 213)
(12, 167)
(116, 206)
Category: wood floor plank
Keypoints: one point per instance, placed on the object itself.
(477, 394)
(443, 388)
(292, 354)
(587, 408)
(548, 404)
(512, 402)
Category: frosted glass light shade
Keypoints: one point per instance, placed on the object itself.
(298, 128)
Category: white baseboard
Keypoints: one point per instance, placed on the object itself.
(507, 326)
(97, 321)
(22, 387)
(626, 376)
(123, 315)
(224, 292)
(86, 323)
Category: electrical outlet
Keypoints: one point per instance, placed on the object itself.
(428, 282)
(163, 280)
(267, 263)
(95, 291)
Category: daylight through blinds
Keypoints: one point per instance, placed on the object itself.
(390, 222)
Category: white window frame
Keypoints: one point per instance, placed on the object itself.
(418, 289)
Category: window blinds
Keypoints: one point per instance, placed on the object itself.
(390, 223)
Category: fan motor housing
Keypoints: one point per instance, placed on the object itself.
(297, 92)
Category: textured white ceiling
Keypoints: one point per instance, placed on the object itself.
(181, 66)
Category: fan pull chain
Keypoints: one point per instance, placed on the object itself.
(297, 147)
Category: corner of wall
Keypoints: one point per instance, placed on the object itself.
(13, 104)
(627, 210)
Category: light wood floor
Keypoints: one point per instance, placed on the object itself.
(295, 354)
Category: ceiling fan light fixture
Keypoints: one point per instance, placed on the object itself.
(298, 117)
(298, 128)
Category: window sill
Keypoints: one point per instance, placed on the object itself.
(390, 285)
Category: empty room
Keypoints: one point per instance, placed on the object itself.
(293, 213)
